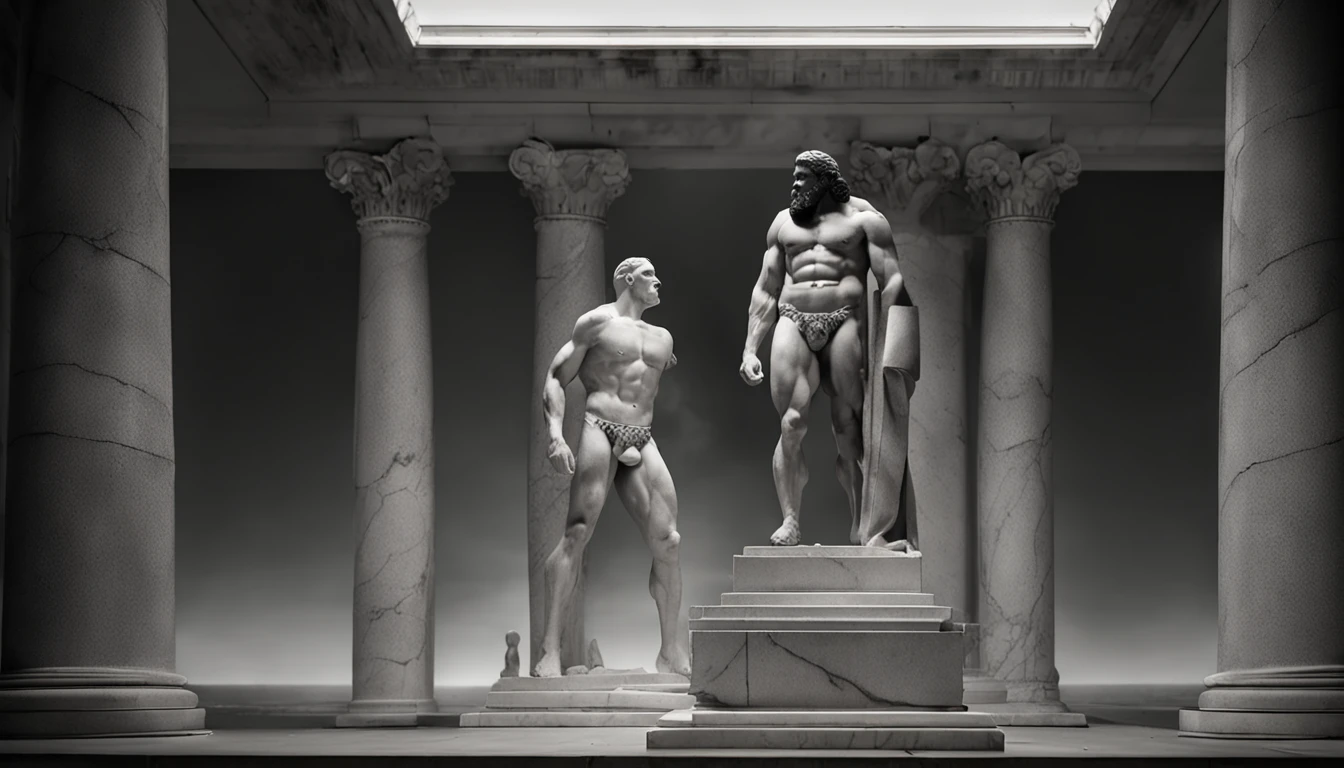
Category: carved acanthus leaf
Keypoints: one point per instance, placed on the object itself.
(408, 181)
(900, 180)
(1005, 185)
(570, 181)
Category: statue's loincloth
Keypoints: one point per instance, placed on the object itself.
(816, 328)
(622, 436)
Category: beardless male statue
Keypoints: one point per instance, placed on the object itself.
(620, 360)
(813, 289)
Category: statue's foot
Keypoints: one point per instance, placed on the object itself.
(787, 535)
(678, 662)
(630, 456)
(854, 535)
(549, 666)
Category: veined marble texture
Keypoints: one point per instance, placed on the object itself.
(1015, 508)
(747, 737)
(394, 470)
(1281, 380)
(826, 572)
(819, 670)
(571, 191)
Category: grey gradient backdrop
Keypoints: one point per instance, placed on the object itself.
(265, 270)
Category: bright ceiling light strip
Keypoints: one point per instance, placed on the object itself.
(580, 37)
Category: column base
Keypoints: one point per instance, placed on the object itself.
(394, 713)
(1229, 712)
(979, 688)
(82, 703)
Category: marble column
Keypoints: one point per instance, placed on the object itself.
(89, 625)
(1014, 513)
(902, 183)
(393, 674)
(571, 191)
(1281, 384)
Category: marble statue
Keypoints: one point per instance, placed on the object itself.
(511, 641)
(813, 289)
(620, 360)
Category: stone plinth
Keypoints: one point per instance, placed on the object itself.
(571, 191)
(805, 674)
(1015, 504)
(1281, 383)
(599, 699)
(89, 640)
(393, 675)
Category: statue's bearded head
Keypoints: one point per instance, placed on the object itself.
(636, 274)
(815, 174)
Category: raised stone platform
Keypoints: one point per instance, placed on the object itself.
(595, 700)
(826, 648)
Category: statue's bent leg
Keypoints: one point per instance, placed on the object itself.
(795, 374)
(649, 496)
(843, 380)
(593, 471)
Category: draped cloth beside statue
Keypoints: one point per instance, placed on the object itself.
(888, 503)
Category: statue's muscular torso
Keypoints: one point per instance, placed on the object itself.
(827, 262)
(623, 366)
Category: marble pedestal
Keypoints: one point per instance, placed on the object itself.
(825, 648)
(601, 698)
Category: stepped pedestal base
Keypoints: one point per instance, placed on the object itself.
(63, 704)
(826, 648)
(626, 699)
(821, 729)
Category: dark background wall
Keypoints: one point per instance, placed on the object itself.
(265, 276)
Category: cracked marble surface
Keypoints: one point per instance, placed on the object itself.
(91, 453)
(394, 470)
(571, 191)
(1281, 417)
(820, 670)
(1015, 506)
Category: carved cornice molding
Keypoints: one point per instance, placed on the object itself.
(1005, 185)
(570, 182)
(900, 180)
(407, 182)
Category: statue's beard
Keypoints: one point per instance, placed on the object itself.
(803, 206)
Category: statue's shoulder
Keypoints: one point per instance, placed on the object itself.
(591, 323)
(859, 205)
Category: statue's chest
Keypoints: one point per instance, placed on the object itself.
(627, 342)
(835, 235)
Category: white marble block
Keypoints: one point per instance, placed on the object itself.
(826, 738)
(826, 598)
(593, 682)
(825, 569)
(572, 718)
(820, 670)
(644, 701)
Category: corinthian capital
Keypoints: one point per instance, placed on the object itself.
(902, 181)
(579, 182)
(408, 181)
(1006, 185)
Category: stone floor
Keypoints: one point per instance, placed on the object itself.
(266, 727)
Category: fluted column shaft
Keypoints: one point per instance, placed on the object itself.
(1281, 382)
(571, 191)
(902, 183)
(89, 641)
(1014, 512)
(393, 655)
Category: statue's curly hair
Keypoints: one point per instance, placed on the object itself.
(827, 171)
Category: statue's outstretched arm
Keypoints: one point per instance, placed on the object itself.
(565, 367)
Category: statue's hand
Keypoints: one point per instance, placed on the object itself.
(561, 457)
(751, 369)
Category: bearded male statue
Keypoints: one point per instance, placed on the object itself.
(813, 289)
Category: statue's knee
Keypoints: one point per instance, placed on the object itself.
(577, 535)
(792, 427)
(666, 544)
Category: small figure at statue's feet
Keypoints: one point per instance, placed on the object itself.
(788, 534)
